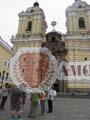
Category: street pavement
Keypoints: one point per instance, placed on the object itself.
(64, 109)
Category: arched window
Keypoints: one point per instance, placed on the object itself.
(85, 58)
(6, 63)
(53, 39)
(81, 22)
(29, 26)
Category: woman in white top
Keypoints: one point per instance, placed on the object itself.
(51, 94)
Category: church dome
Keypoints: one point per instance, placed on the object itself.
(55, 33)
(77, 4)
(36, 4)
(35, 9)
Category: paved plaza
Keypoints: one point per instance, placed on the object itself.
(64, 109)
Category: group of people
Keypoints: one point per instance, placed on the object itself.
(17, 101)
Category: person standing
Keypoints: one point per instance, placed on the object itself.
(34, 98)
(51, 94)
(4, 96)
(16, 100)
(42, 102)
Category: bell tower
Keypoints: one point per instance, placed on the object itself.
(31, 29)
(78, 31)
(78, 18)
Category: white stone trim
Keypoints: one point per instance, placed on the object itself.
(78, 48)
(83, 37)
(5, 45)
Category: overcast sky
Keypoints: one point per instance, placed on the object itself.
(53, 9)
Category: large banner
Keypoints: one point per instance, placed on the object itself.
(33, 69)
(74, 71)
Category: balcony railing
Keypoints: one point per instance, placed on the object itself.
(19, 37)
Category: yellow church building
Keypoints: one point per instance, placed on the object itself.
(77, 38)
(5, 55)
(32, 33)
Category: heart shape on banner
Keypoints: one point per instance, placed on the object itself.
(33, 69)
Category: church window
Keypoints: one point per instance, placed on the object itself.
(79, 6)
(6, 63)
(53, 39)
(81, 22)
(85, 58)
(29, 26)
(32, 11)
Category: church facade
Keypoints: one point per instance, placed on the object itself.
(72, 46)
(32, 33)
(77, 38)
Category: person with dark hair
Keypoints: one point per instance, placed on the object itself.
(51, 94)
(4, 96)
(16, 100)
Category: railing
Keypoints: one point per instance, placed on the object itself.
(23, 36)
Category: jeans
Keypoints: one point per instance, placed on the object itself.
(42, 106)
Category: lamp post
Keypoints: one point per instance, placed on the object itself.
(3, 74)
(0, 76)
(7, 76)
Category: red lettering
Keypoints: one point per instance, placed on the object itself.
(85, 71)
(65, 70)
(79, 69)
(73, 69)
